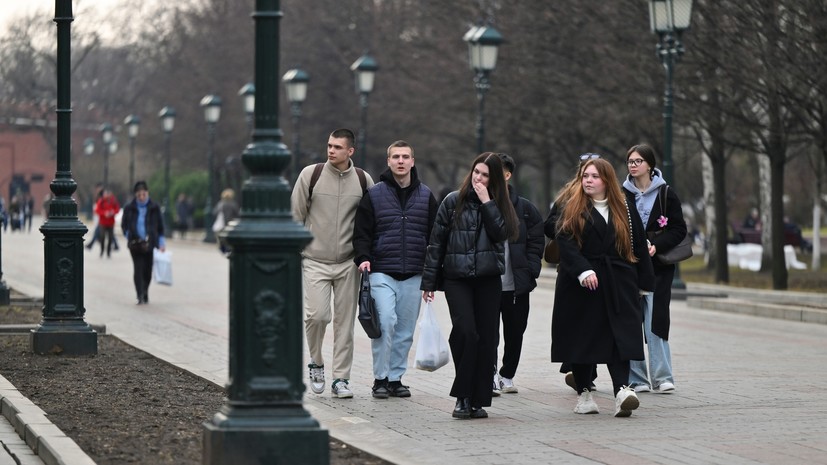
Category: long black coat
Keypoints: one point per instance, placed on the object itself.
(672, 235)
(603, 325)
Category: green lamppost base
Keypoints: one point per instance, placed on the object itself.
(240, 437)
(5, 298)
(60, 339)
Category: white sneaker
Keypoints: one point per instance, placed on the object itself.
(495, 388)
(586, 403)
(665, 388)
(507, 386)
(316, 377)
(626, 401)
(341, 389)
(642, 388)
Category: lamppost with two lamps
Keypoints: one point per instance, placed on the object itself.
(668, 19)
(483, 44)
(212, 113)
(295, 81)
(364, 70)
(133, 124)
(167, 116)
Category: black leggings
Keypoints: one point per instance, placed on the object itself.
(142, 273)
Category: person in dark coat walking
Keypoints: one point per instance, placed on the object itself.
(466, 255)
(604, 269)
(144, 230)
(523, 262)
(645, 187)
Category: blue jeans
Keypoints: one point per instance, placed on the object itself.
(398, 305)
(660, 357)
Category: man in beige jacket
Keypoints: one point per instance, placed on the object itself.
(324, 200)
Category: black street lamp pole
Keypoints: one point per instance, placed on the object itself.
(264, 420)
(63, 329)
(669, 18)
(167, 116)
(295, 80)
(133, 124)
(483, 44)
(106, 136)
(212, 112)
(364, 69)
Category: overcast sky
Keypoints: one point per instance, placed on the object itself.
(11, 9)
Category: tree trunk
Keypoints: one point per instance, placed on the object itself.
(764, 205)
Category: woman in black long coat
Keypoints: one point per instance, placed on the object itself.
(604, 268)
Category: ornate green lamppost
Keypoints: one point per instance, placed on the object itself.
(263, 420)
(167, 116)
(483, 44)
(63, 329)
(668, 19)
(212, 113)
(133, 125)
(295, 81)
(364, 69)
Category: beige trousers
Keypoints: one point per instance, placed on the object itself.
(319, 281)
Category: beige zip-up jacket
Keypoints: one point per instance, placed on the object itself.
(330, 214)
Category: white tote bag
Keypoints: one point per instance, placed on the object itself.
(432, 351)
(162, 267)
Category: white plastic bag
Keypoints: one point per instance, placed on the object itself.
(219, 222)
(162, 267)
(432, 350)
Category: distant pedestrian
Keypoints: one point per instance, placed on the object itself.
(466, 259)
(604, 268)
(96, 229)
(4, 215)
(28, 211)
(106, 209)
(523, 262)
(229, 209)
(143, 227)
(390, 235)
(184, 210)
(327, 262)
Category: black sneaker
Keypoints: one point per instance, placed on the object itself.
(380, 388)
(397, 389)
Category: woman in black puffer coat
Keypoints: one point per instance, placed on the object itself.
(465, 258)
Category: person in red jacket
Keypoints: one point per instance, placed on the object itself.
(106, 208)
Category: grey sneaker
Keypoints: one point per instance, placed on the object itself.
(316, 378)
(340, 389)
(495, 388)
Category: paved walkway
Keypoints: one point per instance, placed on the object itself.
(749, 388)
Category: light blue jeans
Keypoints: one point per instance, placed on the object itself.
(660, 357)
(398, 305)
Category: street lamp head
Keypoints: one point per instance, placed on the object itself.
(212, 108)
(133, 123)
(248, 94)
(365, 70)
(112, 146)
(669, 15)
(167, 115)
(295, 80)
(89, 146)
(483, 44)
(106, 132)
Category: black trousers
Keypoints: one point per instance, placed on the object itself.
(514, 314)
(584, 374)
(474, 306)
(142, 273)
(107, 239)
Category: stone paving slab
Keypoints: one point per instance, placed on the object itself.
(748, 387)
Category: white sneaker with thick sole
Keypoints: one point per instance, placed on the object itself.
(626, 401)
(586, 403)
(665, 388)
(316, 378)
(507, 386)
(341, 389)
(642, 388)
(495, 388)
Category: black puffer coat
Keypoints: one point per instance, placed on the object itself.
(527, 250)
(472, 246)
